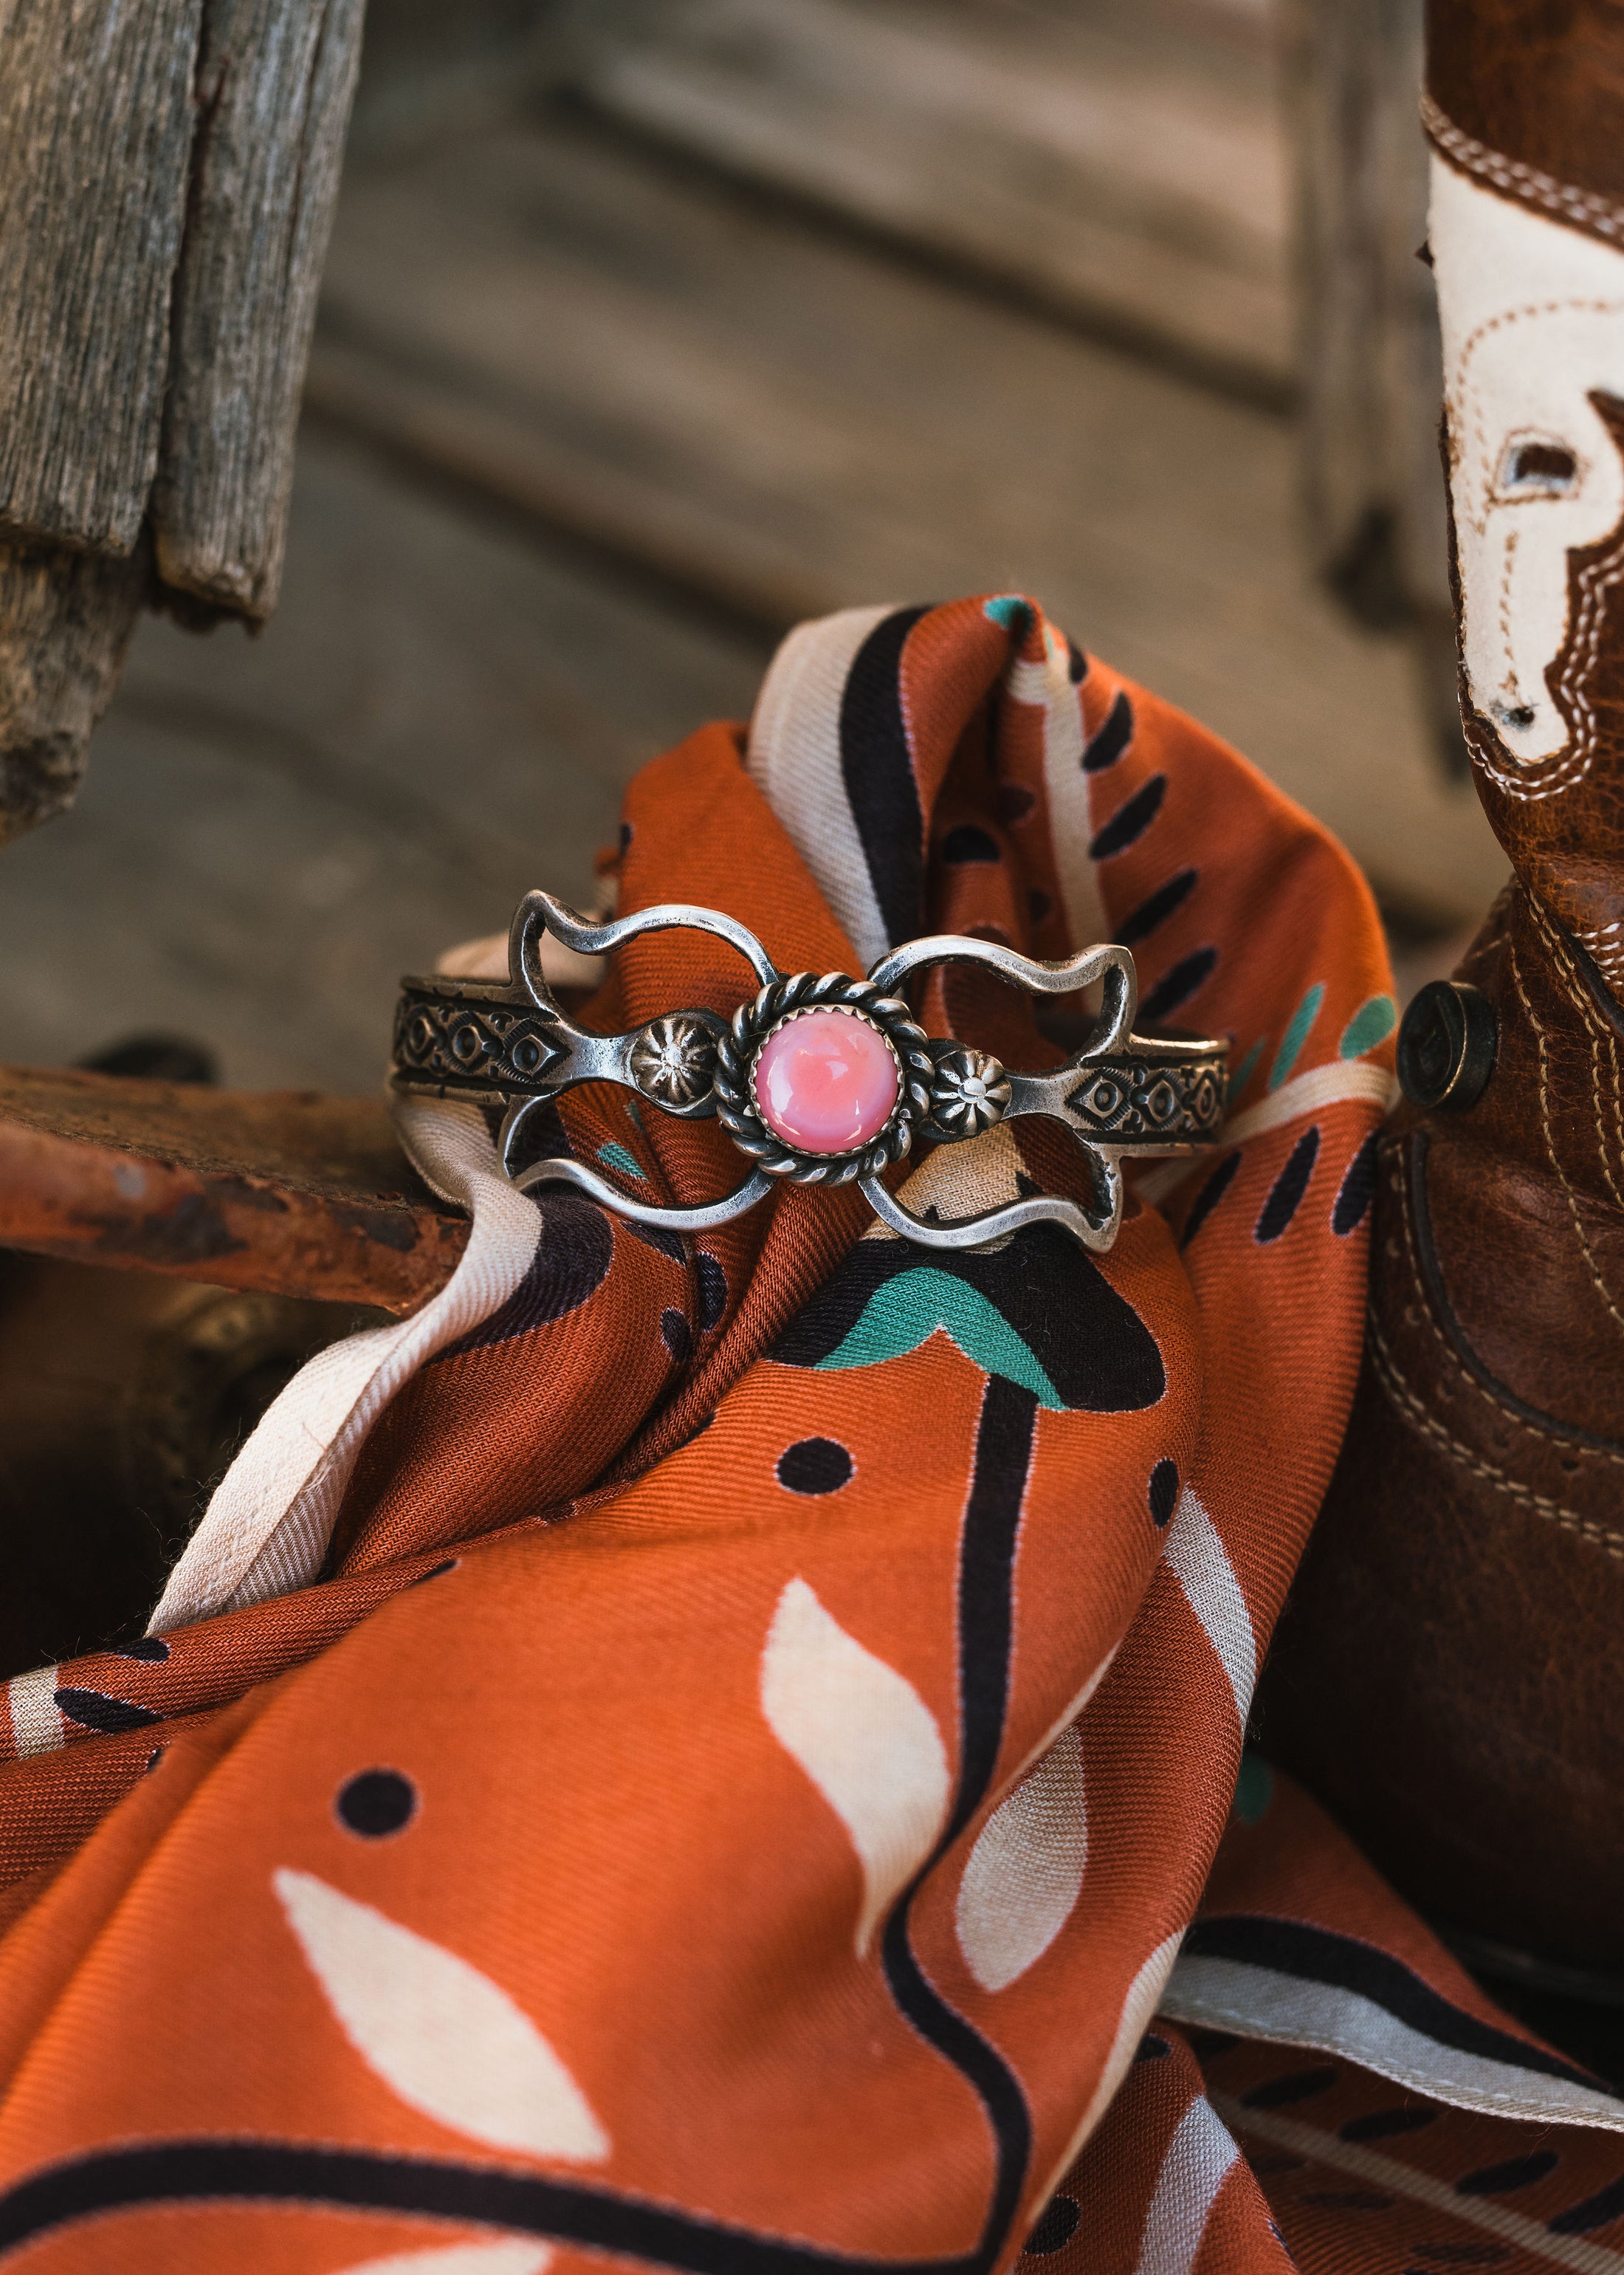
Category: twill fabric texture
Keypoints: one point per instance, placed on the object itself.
(727, 1755)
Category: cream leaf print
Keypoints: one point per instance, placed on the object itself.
(863, 1737)
(510, 2258)
(1026, 1872)
(442, 2035)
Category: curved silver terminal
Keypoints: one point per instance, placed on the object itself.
(756, 1187)
(540, 911)
(1122, 1095)
(1112, 965)
(1092, 1228)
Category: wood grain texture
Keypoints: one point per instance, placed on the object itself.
(167, 178)
(790, 423)
(65, 620)
(1126, 167)
(95, 130)
(1372, 357)
(275, 79)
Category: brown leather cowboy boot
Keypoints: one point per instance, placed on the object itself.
(1450, 1675)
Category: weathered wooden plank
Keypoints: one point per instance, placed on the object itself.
(790, 423)
(95, 130)
(65, 620)
(146, 334)
(1372, 357)
(275, 85)
(1125, 167)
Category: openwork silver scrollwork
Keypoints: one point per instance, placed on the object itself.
(1122, 1095)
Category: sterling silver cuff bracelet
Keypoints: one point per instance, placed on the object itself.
(818, 1079)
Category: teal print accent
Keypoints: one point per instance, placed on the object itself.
(617, 1158)
(905, 1311)
(1242, 1074)
(1254, 1790)
(1009, 611)
(1372, 1023)
(1296, 1035)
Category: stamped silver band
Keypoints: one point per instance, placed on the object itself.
(1121, 1095)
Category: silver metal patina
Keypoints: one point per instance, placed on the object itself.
(1122, 1096)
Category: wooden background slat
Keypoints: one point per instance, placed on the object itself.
(1124, 166)
(65, 621)
(788, 423)
(274, 90)
(95, 131)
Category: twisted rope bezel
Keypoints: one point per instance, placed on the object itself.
(781, 999)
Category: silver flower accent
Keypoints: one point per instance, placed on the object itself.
(968, 1093)
(674, 1061)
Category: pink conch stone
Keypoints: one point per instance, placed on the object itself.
(825, 1082)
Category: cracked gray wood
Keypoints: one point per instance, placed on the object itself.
(65, 621)
(95, 133)
(274, 84)
(167, 177)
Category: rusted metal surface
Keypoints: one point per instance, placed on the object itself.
(288, 1192)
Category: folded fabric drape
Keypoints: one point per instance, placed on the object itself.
(744, 1726)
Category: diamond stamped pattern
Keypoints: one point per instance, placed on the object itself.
(447, 1040)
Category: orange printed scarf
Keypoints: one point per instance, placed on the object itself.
(713, 1761)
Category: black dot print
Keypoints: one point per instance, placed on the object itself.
(97, 1710)
(1130, 821)
(1297, 2085)
(678, 1340)
(1206, 2045)
(1112, 740)
(1358, 1190)
(1383, 2124)
(1286, 1194)
(1014, 802)
(376, 1802)
(1178, 984)
(1077, 663)
(1055, 2227)
(1140, 923)
(713, 1283)
(967, 843)
(815, 1465)
(1038, 905)
(1599, 2210)
(434, 1571)
(1500, 2179)
(151, 1649)
(1207, 1200)
(1151, 2048)
(1164, 1490)
(626, 835)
